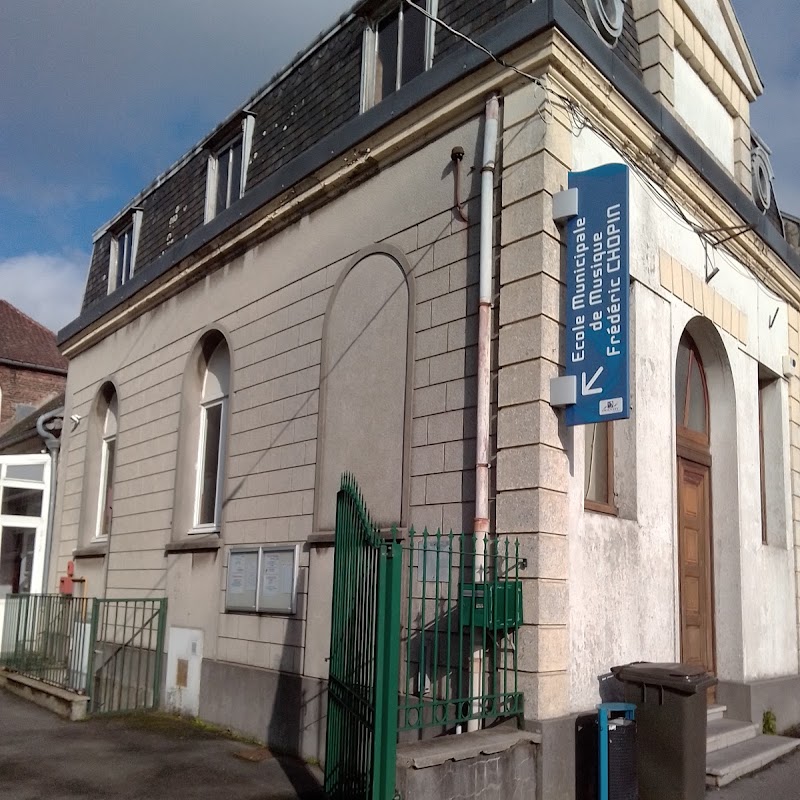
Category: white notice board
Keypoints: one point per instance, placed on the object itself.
(278, 580)
(242, 580)
(263, 579)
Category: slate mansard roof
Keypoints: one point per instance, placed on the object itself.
(309, 114)
(310, 99)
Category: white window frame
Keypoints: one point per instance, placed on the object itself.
(133, 223)
(36, 524)
(370, 47)
(99, 536)
(245, 135)
(210, 527)
(110, 435)
(214, 393)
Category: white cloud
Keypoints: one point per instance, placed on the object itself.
(46, 286)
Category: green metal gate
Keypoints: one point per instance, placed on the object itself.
(365, 650)
(125, 656)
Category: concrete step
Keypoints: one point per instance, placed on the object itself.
(716, 712)
(730, 763)
(722, 733)
(65, 704)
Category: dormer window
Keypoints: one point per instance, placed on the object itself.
(229, 174)
(762, 175)
(398, 46)
(227, 169)
(124, 242)
(606, 17)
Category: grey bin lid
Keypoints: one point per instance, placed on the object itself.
(683, 678)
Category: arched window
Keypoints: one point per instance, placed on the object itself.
(211, 446)
(691, 392)
(105, 499)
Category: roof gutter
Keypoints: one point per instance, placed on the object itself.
(10, 362)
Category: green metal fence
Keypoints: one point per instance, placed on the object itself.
(365, 638)
(451, 667)
(111, 650)
(463, 609)
(47, 637)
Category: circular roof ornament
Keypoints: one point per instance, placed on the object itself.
(762, 178)
(606, 18)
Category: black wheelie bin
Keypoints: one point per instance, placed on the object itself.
(670, 727)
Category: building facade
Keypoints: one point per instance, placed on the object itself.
(299, 296)
(31, 368)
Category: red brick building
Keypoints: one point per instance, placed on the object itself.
(31, 368)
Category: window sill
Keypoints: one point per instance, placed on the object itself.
(94, 550)
(775, 546)
(205, 530)
(197, 544)
(600, 508)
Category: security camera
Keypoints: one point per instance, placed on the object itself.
(76, 418)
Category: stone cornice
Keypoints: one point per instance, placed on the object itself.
(647, 147)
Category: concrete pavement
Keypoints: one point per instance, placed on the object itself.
(139, 758)
(159, 758)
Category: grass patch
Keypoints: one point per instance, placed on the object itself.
(174, 726)
(794, 732)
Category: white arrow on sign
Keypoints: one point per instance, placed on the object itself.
(589, 388)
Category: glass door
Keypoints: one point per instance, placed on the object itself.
(16, 559)
(24, 483)
(24, 495)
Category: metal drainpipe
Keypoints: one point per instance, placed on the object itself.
(53, 445)
(484, 376)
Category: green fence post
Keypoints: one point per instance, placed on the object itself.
(162, 624)
(90, 656)
(387, 663)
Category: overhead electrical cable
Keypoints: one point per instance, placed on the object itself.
(580, 121)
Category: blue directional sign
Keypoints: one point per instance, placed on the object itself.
(598, 276)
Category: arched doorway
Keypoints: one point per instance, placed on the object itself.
(695, 550)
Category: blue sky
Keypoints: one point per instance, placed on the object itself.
(99, 97)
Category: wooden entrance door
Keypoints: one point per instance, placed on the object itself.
(694, 554)
(695, 551)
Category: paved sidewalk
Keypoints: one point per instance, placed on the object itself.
(778, 781)
(44, 757)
